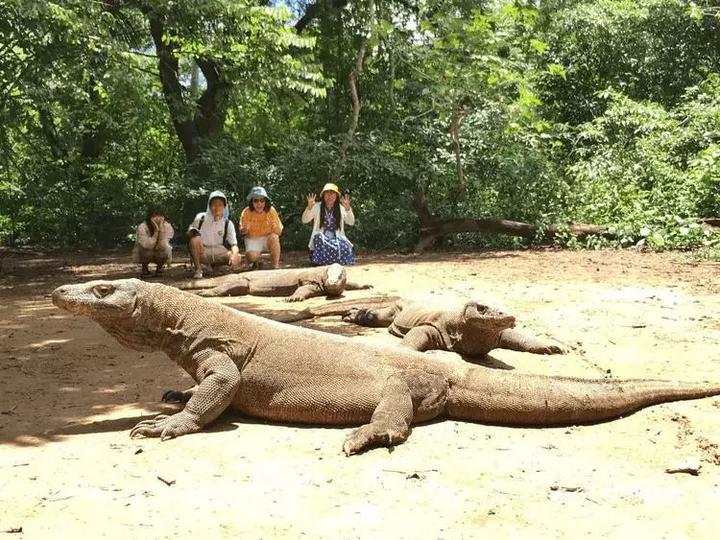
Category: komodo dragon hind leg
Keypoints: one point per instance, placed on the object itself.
(376, 318)
(229, 289)
(179, 396)
(409, 397)
(517, 341)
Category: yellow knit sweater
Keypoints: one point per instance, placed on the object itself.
(257, 224)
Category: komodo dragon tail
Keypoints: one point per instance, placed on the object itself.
(534, 400)
(340, 307)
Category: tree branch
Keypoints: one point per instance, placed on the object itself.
(352, 82)
(313, 10)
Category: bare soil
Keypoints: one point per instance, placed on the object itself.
(69, 395)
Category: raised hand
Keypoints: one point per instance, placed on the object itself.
(310, 200)
(345, 201)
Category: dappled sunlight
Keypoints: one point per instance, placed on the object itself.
(46, 342)
(111, 390)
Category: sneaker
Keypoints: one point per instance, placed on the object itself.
(198, 274)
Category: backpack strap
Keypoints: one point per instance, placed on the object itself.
(225, 242)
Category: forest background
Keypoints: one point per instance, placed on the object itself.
(430, 113)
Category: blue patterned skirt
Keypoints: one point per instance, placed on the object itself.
(329, 249)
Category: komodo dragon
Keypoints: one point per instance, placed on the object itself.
(472, 329)
(299, 283)
(281, 372)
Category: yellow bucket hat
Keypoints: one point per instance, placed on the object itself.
(330, 187)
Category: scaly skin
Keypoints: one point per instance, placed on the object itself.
(471, 330)
(296, 283)
(283, 373)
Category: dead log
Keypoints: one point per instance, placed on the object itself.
(433, 228)
(428, 235)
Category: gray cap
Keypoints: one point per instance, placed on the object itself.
(256, 193)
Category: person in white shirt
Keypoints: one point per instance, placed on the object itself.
(213, 240)
(152, 244)
(328, 243)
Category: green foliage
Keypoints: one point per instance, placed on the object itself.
(604, 112)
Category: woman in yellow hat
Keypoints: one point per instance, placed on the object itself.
(328, 243)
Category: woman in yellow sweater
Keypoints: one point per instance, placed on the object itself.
(261, 227)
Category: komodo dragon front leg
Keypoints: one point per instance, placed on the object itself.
(219, 380)
(517, 341)
(305, 291)
(408, 397)
(355, 286)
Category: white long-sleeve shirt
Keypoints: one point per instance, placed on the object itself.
(212, 231)
(147, 241)
(313, 214)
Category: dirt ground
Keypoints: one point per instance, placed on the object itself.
(69, 394)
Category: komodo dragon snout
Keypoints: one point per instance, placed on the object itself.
(109, 298)
(334, 280)
(481, 315)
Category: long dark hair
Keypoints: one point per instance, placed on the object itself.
(153, 211)
(335, 211)
(268, 205)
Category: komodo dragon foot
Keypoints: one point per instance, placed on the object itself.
(361, 316)
(408, 397)
(167, 427)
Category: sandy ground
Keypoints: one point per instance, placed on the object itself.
(69, 395)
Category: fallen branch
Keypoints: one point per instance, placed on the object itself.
(433, 228)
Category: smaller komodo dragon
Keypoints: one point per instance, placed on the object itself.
(280, 372)
(471, 329)
(299, 283)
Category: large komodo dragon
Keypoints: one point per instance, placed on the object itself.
(470, 329)
(295, 283)
(281, 372)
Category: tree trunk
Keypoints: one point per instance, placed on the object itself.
(455, 119)
(354, 97)
(206, 117)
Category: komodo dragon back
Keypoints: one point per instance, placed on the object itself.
(285, 373)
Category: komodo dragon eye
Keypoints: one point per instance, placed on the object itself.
(101, 291)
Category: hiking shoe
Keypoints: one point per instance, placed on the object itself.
(198, 274)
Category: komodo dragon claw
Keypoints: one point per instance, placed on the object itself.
(370, 436)
(166, 427)
(174, 396)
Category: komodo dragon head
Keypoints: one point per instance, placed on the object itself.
(100, 300)
(480, 316)
(116, 306)
(334, 280)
